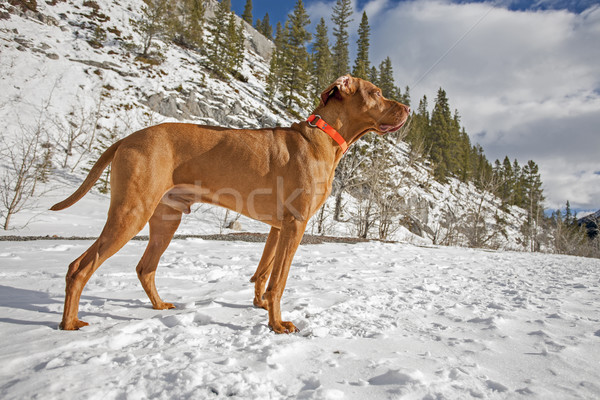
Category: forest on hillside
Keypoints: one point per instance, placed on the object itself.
(305, 62)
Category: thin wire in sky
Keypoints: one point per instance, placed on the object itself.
(443, 56)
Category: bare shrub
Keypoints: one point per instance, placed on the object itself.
(21, 171)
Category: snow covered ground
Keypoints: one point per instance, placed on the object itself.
(378, 321)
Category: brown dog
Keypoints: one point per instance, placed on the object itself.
(280, 176)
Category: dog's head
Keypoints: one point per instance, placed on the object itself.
(362, 101)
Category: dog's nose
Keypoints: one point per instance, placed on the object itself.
(407, 109)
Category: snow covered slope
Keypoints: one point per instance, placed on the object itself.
(378, 321)
(53, 78)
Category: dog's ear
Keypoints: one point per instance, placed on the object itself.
(343, 85)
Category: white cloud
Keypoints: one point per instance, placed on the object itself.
(526, 83)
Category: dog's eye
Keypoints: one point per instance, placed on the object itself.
(377, 94)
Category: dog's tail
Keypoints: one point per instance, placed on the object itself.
(92, 177)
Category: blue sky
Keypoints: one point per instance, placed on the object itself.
(523, 75)
(278, 10)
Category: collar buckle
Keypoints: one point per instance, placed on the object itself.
(311, 120)
(315, 121)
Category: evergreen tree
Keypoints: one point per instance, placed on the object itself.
(342, 11)
(226, 49)
(296, 72)
(404, 98)
(569, 217)
(44, 167)
(265, 27)
(218, 30)
(275, 77)
(533, 203)
(518, 191)
(482, 169)
(186, 23)
(374, 76)
(508, 182)
(441, 121)
(503, 174)
(153, 24)
(386, 79)
(322, 60)
(418, 134)
(497, 169)
(236, 46)
(463, 162)
(247, 15)
(454, 152)
(362, 64)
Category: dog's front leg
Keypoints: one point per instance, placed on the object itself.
(265, 266)
(289, 239)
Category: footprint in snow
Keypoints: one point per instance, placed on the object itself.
(397, 377)
(496, 386)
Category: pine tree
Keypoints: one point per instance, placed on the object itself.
(482, 169)
(454, 152)
(247, 15)
(362, 64)
(323, 62)
(569, 217)
(507, 186)
(237, 45)
(265, 27)
(342, 12)
(296, 72)
(404, 98)
(374, 76)
(441, 121)
(418, 135)
(276, 65)
(464, 171)
(226, 49)
(386, 79)
(186, 23)
(218, 29)
(44, 167)
(533, 203)
(153, 24)
(517, 192)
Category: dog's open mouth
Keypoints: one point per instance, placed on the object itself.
(390, 128)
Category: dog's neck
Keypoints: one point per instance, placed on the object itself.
(351, 131)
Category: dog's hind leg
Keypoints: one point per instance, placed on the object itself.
(122, 224)
(265, 266)
(163, 224)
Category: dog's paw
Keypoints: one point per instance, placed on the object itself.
(261, 304)
(72, 325)
(163, 306)
(284, 327)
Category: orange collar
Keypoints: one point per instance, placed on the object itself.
(325, 127)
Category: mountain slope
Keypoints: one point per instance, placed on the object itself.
(57, 75)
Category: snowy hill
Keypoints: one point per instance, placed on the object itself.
(58, 77)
